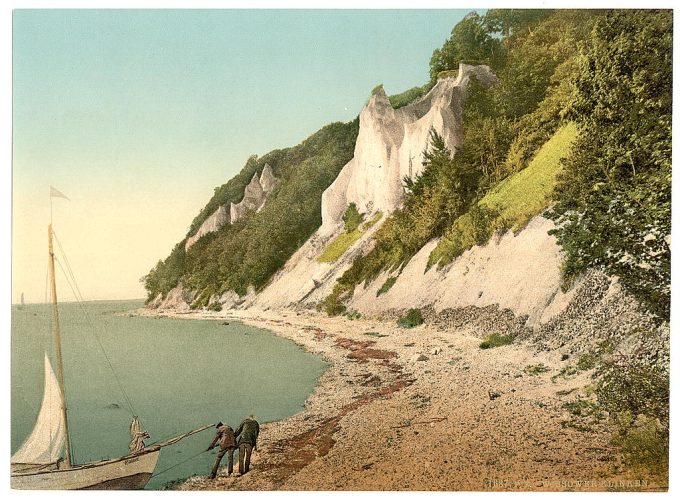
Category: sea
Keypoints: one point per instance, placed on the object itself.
(175, 375)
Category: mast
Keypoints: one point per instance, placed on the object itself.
(57, 344)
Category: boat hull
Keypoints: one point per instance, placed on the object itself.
(128, 472)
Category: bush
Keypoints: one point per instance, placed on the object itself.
(534, 370)
(583, 408)
(352, 218)
(389, 283)
(587, 362)
(634, 389)
(496, 340)
(629, 384)
(341, 244)
(413, 318)
(333, 304)
(644, 444)
(215, 306)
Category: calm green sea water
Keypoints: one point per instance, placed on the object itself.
(178, 374)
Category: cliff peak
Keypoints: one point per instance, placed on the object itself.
(391, 142)
(267, 179)
(254, 197)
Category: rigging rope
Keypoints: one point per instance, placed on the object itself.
(79, 301)
(180, 463)
(129, 406)
(68, 265)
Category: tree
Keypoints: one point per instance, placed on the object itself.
(510, 22)
(470, 41)
(613, 201)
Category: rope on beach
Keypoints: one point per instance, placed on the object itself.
(180, 463)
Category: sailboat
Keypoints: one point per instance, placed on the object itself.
(44, 460)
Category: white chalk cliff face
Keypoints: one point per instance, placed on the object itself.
(211, 224)
(390, 146)
(520, 272)
(267, 180)
(254, 197)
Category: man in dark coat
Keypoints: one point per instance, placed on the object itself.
(248, 430)
(226, 439)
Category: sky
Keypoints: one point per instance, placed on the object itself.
(137, 115)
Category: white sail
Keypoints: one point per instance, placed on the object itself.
(46, 442)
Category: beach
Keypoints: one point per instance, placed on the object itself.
(425, 409)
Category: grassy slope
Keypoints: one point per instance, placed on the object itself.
(341, 244)
(520, 197)
(511, 203)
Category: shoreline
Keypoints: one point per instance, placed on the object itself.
(390, 394)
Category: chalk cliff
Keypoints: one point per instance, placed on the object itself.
(254, 197)
(512, 273)
(520, 272)
(267, 180)
(390, 146)
(212, 224)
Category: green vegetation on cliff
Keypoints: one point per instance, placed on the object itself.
(614, 196)
(511, 203)
(354, 229)
(251, 250)
(596, 81)
(504, 126)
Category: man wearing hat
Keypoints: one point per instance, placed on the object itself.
(227, 441)
(248, 431)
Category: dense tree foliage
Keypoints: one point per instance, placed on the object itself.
(608, 71)
(248, 252)
(533, 53)
(470, 42)
(611, 72)
(166, 274)
(614, 201)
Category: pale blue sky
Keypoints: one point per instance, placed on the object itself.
(138, 115)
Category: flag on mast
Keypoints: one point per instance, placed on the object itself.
(55, 193)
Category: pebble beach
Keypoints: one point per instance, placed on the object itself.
(424, 409)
